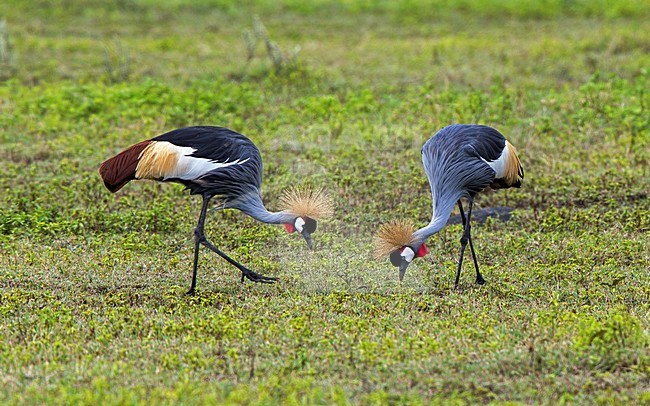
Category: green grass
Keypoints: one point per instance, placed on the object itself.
(92, 303)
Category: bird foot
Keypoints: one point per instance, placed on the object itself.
(480, 280)
(255, 277)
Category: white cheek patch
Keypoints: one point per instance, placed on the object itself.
(408, 254)
(299, 224)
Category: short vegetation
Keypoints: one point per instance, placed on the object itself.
(92, 303)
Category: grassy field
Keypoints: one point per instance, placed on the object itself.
(92, 303)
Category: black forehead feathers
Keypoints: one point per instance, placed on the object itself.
(395, 258)
(310, 225)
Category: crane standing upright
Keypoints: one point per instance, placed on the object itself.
(460, 161)
(215, 162)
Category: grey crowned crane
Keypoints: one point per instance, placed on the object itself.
(460, 161)
(215, 162)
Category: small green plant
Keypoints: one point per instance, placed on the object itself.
(612, 343)
(280, 59)
(117, 62)
(6, 55)
(5, 46)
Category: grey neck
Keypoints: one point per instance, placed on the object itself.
(253, 206)
(442, 207)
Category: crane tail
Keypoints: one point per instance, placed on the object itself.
(120, 169)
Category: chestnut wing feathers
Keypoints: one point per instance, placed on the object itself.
(207, 160)
(120, 169)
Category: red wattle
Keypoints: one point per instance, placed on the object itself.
(290, 228)
(422, 251)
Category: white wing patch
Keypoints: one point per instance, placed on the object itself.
(499, 165)
(191, 167)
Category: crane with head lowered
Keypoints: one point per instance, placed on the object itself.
(460, 161)
(215, 162)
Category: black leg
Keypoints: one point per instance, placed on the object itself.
(479, 277)
(462, 213)
(199, 239)
(198, 236)
(245, 272)
(463, 241)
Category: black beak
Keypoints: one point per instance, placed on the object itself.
(307, 236)
(402, 268)
(308, 228)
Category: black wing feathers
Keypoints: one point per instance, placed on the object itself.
(486, 141)
(222, 145)
(215, 143)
